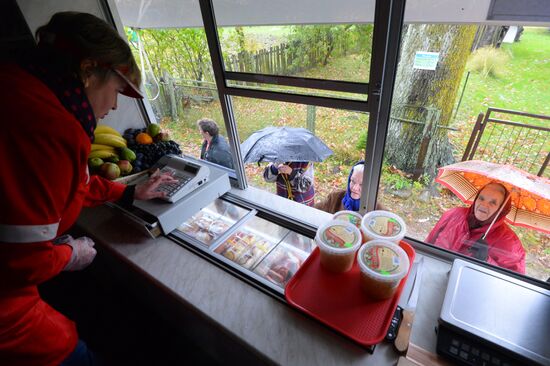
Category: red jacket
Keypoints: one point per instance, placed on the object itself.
(44, 184)
(452, 232)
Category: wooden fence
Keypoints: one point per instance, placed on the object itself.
(283, 59)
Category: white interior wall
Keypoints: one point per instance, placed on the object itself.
(38, 12)
(186, 13)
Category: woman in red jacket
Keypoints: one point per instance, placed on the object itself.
(460, 229)
(50, 103)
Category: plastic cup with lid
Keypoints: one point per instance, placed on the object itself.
(338, 242)
(354, 217)
(383, 225)
(383, 265)
(349, 216)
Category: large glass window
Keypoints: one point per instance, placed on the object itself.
(462, 92)
(448, 75)
(343, 132)
(292, 40)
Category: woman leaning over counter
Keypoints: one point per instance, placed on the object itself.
(51, 101)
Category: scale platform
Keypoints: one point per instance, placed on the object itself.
(489, 318)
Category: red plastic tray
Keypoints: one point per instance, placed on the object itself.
(338, 301)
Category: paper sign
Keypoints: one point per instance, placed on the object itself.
(425, 60)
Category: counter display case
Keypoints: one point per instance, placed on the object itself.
(252, 246)
(280, 265)
(250, 243)
(213, 221)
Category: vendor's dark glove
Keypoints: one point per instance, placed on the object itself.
(480, 250)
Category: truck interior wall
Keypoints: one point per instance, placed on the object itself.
(38, 12)
(186, 13)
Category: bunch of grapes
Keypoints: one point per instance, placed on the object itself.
(148, 155)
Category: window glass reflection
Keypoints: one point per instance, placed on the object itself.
(447, 76)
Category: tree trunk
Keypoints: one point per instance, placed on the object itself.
(423, 100)
(489, 36)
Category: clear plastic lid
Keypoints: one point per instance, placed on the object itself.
(338, 237)
(383, 260)
(350, 216)
(383, 225)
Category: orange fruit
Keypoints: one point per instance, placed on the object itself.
(144, 138)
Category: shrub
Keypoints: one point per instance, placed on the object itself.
(488, 61)
(362, 141)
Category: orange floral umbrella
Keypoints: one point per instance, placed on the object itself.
(530, 195)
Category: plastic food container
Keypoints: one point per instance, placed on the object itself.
(383, 265)
(383, 225)
(349, 216)
(338, 242)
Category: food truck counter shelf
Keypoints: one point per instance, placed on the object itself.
(268, 328)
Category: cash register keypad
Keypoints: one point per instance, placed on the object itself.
(173, 188)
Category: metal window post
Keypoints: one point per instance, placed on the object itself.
(388, 21)
(226, 103)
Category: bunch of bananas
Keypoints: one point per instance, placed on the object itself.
(106, 140)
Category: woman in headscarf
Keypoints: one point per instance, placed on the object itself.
(461, 229)
(348, 199)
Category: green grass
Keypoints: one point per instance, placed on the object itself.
(523, 86)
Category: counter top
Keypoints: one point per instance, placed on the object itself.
(267, 326)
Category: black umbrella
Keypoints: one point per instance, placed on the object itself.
(284, 144)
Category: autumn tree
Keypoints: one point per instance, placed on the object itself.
(423, 100)
(183, 53)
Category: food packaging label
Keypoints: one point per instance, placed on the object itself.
(339, 236)
(352, 218)
(382, 260)
(385, 226)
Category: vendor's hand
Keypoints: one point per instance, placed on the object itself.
(148, 190)
(83, 253)
(284, 169)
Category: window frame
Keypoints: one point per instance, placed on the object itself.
(388, 23)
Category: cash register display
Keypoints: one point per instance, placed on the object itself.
(190, 169)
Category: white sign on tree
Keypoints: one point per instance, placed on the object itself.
(425, 60)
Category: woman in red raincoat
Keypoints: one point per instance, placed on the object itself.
(50, 102)
(460, 230)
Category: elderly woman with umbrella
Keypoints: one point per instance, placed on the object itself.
(497, 194)
(291, 152)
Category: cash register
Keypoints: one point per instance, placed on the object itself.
(198, 184)
(189, 175)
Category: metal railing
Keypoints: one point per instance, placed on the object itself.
(495, 138)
